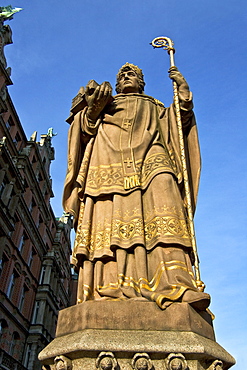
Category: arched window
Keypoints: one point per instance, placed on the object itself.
(3, 327)
(1, 265)
(31, 257)
(12, 284)
(22, 241)
(4, 260)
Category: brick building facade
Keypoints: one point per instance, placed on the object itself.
(35, 275)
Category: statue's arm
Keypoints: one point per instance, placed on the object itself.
(88, 127)
(185, 97)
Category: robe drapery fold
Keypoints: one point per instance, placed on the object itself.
(124, 187)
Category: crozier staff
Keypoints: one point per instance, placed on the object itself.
(125, 189)
(167, 44)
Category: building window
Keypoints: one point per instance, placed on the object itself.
(3, 185)
(11, 285)
(42, 275)
(31, 257)
(14, 340)
(9, 124)
(31, 206)
(39, 177)
(22, 297)
(11, 195)
(16, 139)
(27, 355)
(1, 265)
(25, 183)
(22, 242)
(40, 221)
(3, 327)
(35, 312)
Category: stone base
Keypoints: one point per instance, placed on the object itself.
(133, 315)
(134, 335)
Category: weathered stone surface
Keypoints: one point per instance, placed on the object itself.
(125, 344)
(133, 315)
(113, 335)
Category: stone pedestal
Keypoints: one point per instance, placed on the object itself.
(115, 335)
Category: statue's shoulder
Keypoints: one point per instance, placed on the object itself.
(144, 96)
(156, 101)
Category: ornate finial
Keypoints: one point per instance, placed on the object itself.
(3, 140)
(33, 137)
(7, 12)
(163, 42)
(50, 132)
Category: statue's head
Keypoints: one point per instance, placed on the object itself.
(134, 74)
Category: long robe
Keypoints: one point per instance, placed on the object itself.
(124, 187)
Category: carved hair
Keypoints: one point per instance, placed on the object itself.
(131, 67)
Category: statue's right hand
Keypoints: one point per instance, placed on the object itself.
(97, 100)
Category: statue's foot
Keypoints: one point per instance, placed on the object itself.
(197, 300)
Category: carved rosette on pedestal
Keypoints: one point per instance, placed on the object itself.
(176, 361)
(106, 361)
(140, 361)
(114, 335)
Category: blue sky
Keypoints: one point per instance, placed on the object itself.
(60, 45)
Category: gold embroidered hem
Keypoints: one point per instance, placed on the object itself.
(162, 276)
(106, 178)
(143, 218)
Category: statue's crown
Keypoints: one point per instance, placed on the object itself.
(138, 72)
(127, 65)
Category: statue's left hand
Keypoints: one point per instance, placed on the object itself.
(176, 76)
(98, 100)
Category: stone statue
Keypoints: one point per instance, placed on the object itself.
(50, 132)
(6, 13)
(124, 188)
